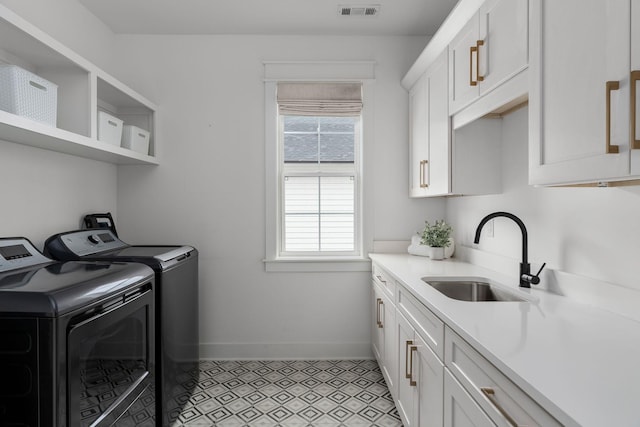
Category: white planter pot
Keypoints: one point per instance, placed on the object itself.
(436, 253)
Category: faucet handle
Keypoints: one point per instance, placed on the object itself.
(535, 279)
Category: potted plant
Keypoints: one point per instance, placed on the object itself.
(436, 236)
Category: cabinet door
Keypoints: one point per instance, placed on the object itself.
(568, 107)
(429, 373)
(463, 84)
(460, 410)
(377, 331)
(407, 390)
(419, 137)
(504, 30)
(635, 88)
(439, 167)
(390, 354)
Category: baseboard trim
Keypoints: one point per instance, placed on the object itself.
(285, 351)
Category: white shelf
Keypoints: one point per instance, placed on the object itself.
(28, 132)
(83, 88)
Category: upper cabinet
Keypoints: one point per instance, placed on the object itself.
(475, 66)
(583, 112)
(488, 51)
(82, 90)
(445, 162)
(430, 132)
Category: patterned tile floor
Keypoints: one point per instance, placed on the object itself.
(290, 394)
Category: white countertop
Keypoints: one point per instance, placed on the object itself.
(581, 363)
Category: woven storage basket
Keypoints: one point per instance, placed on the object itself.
(28, 95)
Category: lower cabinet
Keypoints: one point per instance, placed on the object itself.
(383, 336)
(500, 399)
(460, 410)
(463, 390)
(419, 401)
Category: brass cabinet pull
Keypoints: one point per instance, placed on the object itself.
(423, 174)
(471, 50)
(478, 76)
(611, 86)
(379, 303)
(490, 393)
(407, 374)
(412, 382)
(380, 279)
(635, 76)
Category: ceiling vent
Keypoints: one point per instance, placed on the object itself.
(359, 10)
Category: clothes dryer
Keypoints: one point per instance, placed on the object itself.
(176, 273)
(76, 340)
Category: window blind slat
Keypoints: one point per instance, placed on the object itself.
(319, 213)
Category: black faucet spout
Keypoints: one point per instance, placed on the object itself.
(525, 268)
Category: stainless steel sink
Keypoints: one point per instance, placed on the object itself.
(471, 290)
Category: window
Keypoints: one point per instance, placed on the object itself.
(320, 179)
(318, 122)
(318, 151)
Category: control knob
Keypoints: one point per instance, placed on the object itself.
(93, 238)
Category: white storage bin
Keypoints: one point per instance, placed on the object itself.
(109, 128)
(135, 139)
(25, 94)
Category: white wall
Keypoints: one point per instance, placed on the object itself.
(71, 24)
(209, 189)
(589, 234)
(46, 192)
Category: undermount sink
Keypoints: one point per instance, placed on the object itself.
(471, 290)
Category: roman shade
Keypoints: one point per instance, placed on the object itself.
(320, 99)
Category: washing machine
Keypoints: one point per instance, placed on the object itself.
(176, 273)
(77, 341)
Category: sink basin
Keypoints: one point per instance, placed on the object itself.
(471, 290)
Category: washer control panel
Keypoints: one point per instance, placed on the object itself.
(18, 253)
(88, 242)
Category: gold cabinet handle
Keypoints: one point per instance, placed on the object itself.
(471, 50)
(490, 393)
(381, 280)
(611, 86)
(478, 76)
(407, 373)
(412, 382)
(423, 174)
(635, 76)
(379, 303)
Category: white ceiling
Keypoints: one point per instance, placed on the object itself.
(273, 17)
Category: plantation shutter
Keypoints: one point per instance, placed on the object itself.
(320, 99)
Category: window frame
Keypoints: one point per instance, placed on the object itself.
(336, 169)
(329, 71)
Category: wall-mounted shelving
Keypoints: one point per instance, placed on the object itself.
(83, 88)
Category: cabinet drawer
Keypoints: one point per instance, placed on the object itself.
(504, 402)
(385, 281)
(423, 320)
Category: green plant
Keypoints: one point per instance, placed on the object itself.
(436, 235)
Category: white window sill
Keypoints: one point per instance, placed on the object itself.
(317, 264)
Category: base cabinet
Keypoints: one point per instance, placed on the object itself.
(435, 377)
(420, 376)
(383, 330)
(500, 399)
(407, 391)
(460, 410)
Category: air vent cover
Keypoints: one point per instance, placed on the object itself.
(360, 10)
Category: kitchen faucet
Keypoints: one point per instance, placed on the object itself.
(525, 268)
